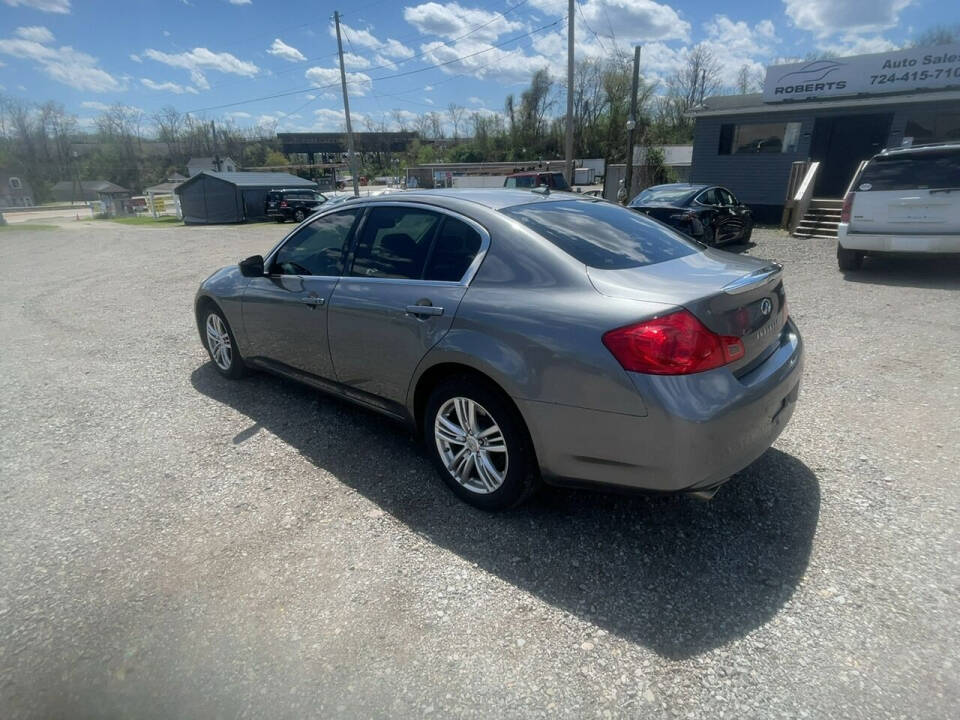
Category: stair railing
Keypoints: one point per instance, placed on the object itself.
(803, 196)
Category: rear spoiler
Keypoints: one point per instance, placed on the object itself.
(764, 275)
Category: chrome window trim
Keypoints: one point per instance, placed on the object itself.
(471, 269)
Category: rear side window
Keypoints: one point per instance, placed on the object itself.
(456, 246)
(911, 172)
(602, 235)
(394, 243)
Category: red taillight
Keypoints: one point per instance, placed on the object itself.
(675, 344)
(283, 203)
(847, 207)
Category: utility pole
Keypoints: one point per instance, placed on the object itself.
(568, 151)
(632, 123)
(351, 157)
(216, 153)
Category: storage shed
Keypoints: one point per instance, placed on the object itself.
(210, 197)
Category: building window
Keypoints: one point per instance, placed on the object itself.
(753, 138)
(15, 183)
(931, 127)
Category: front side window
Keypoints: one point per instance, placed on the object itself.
(725, 197)
(317, 249)
(601, 234)
(394, 243)
(755, 138)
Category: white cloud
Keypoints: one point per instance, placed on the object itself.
(830, 17)
(630, 21)
(474, 100)
(360, 83)
(735, 44)
(168, 87)
(49, 6)
(65, 65)
(239, 115)
(367, 40)
(200, 59)
(287, 52)
(94, 105)
(428, 88)
(355, 62)
(852, 44)
(37, 33)
(451, 20)
(385, 62)
(484, 61)
(136, 58)
(240, 2)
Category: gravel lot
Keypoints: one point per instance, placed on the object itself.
(177, 545)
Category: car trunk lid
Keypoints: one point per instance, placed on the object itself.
(731, 294)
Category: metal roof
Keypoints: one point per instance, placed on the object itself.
(254, 179)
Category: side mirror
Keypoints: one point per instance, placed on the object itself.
(252, 266)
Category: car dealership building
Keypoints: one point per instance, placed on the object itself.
(837, 112)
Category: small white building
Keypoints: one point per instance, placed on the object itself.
(199, 164)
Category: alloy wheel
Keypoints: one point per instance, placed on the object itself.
(471, 445)
(218, 340)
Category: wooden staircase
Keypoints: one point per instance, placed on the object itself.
(820, 220)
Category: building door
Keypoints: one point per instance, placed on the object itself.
(840, 143)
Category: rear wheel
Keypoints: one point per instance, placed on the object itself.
(221, 344)
(848, 260)
(709, 236)
(299, 215)
(479, 443)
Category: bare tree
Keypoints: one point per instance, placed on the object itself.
(400, 120)
(687, 87)
(456, 113)
(938, 35)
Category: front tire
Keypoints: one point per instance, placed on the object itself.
(848, 260)
(479, 444)
(221, 344)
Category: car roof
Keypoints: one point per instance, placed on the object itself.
(681, 186)
(530, 173)
(493, 198)
(932, 148)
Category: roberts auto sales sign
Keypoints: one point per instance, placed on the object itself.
(890, 72)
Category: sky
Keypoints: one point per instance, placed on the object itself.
(274, 62)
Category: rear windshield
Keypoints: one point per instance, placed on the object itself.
(911, 172)
(671, 195)
(559, 181)
(523, 181)
(601, 234)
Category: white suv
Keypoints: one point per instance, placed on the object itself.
(905, 200)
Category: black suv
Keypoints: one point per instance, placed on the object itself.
(283, 205)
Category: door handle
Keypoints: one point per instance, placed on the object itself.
(313, 301)
(424, 310)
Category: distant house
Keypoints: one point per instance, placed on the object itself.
(15, 191)
(211, 197)
(113, 197)
(199, 164)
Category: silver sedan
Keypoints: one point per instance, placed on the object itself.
(526, 336)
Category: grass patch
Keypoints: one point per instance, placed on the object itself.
(148, 220)
(27, 226)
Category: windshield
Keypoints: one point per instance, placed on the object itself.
(602, 235)
(664, 194)
(911, 172)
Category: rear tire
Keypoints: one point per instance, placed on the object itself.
(709, 237)
(488, 459)
(848, 260)
(299, 216)
(220, 342)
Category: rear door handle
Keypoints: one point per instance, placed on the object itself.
(424, 310)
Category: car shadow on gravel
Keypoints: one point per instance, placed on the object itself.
(941, 272)
(675, 574)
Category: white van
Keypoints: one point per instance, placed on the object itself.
(903, 201)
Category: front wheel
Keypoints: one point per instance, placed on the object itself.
(848, 260)
(480, 445)
(221, 344)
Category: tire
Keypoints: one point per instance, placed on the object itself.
(848, 260)
(299, 216)
(708, 238)
(226, 360)
(503, 478)
(746, 235)
(280, 219)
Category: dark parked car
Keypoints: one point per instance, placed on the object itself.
(552, 180)
(708, 213)
(296, 205)
(524, 336)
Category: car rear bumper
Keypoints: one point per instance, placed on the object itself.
(867, 242)
(700, 429)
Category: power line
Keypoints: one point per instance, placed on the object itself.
(406, 73)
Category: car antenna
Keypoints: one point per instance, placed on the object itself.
(542, 190)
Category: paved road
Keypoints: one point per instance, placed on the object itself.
(177, 545)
